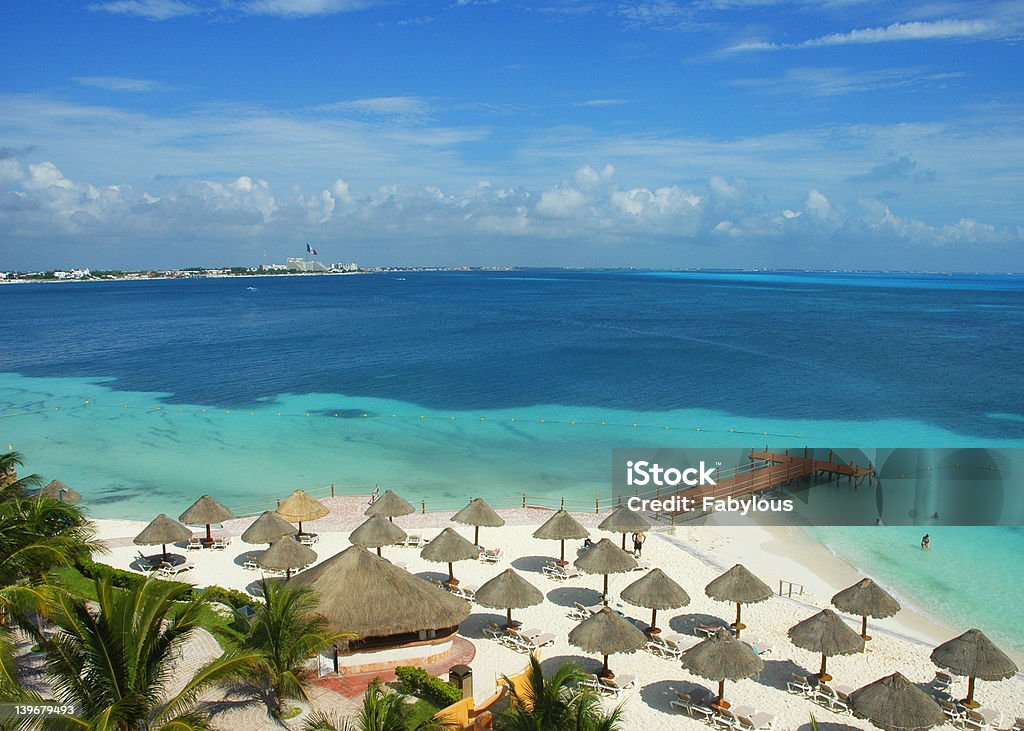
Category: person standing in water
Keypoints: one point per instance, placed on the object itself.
(926, 542)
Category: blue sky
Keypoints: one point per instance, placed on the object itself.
(729, 133)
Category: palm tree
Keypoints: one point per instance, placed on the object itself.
(381, 711)
(10, 485)
(284, 634)
(554, 704)
(115, 662)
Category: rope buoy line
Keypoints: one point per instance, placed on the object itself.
(419, 417)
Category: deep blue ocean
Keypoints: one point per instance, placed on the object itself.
(443, 385)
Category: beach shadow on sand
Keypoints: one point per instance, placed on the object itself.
(567, 596)
(586, 663)
(531, 563)
(241, 558)
(474, 624)
(659, 695)
(777, 673)
(431, 575)
(685, 623)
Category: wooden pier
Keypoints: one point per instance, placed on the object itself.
(768, 470)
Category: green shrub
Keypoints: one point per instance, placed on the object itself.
(417, 681)
(228, 597)
(129, 580)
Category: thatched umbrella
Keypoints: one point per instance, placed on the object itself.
(867, 599)
(827, 633)
(478, 513)
(390, 506)
(389, 600)
(375, 532)
(508, 590)
(974, 655)
(894, 703)
(300, 507)
(161, 531)
(57, 490)
(623, 520)
(285, 555)
(561, 527)
(655, 590)
(448, 548)
(722, 657)
(205, 511)
(606, 633)
(604, 557)
(740, 586)
(268, 528)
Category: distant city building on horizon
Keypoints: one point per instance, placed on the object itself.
(298, 264)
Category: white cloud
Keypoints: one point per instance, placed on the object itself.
(818, 204)
(149, 9)
(560, 202)
(304, 8)
(118, 83)
(587, 178)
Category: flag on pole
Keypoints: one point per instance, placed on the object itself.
(310, 250)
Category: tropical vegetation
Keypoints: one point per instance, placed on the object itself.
(555, 702)
(119, 662)
(282, 636)
(382, 710)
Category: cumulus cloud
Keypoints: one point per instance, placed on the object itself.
(817, 204)
(561, 202)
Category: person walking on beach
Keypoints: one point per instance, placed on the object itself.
(638, 543)
(926, 542)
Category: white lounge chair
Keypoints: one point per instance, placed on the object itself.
(174, 570)
(800, 684)
(725, 719)
(524, 643)
(309, 539)
(955, 713)
(251, 565)
(615, 686)
(560, 573)
(464, 591)
(764, 721)
(708, 630)
(194, 544)
(221, 542)
(943, 682)
(492, 555)
(414, 540)
(495, 631)
(664, 647)
(829, 697)
(685, 704)
(976, 720)
(579, 612)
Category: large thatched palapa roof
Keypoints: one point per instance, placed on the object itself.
(375, 532)
(268, 528)
(205, 511)
(300, 507)
(371, 597)
(57, 490)
(390, 505)
(894, 703)
(161, 531)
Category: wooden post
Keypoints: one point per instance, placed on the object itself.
(524, 499)
(424, 502)
(563, 502)
(597, 505)
(332, 489)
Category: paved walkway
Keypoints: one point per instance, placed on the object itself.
(350, 686)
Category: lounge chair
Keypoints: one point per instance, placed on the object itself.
(664, 647)
(1018, 724)
(251, 565)
(642, 565)
(725, 718)
(976, 720)
(560, 573)
(800, 684)
(764, 721)
(615, 686)
(439, 584)
(528, 642)
(744, 723)
(590, 681)
(146, 564)
(492, 555)
(194, 544)
(309, 539)
(708, 630)
(174, 570)
(495, 631)
(464, 591)
(579, 612)
(221, 542)
(943, 682)
(414, 541)
(828, 696)
(685, 704)
(955, 713)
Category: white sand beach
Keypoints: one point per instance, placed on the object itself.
(692, 556)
